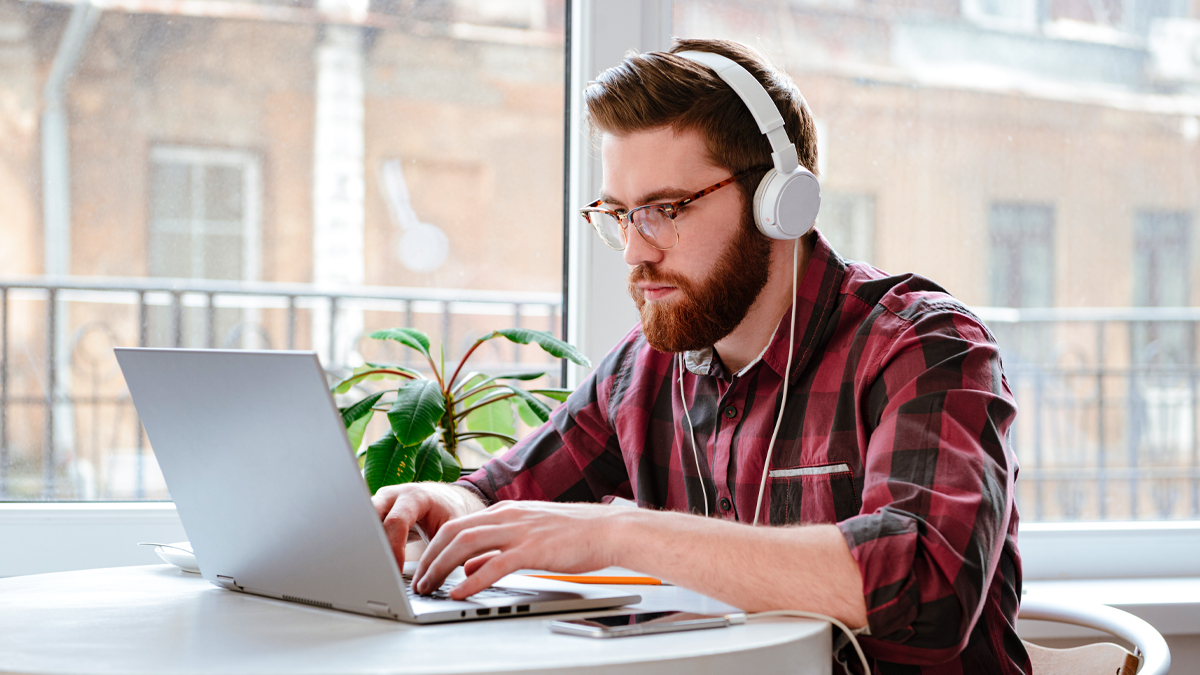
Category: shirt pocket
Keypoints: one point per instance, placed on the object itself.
(822, 493)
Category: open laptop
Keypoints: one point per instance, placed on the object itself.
(269, 491)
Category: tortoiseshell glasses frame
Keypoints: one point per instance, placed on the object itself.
(650, 220)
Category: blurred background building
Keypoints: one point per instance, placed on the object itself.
(218, 173)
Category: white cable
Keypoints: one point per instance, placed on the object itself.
(691, 435)
(742, 618)
(786, 374)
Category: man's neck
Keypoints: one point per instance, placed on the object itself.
(741, 347)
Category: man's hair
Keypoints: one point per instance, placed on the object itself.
(658, 89)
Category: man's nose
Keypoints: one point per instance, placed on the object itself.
(638, 250)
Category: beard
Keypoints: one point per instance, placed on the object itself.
(709, 309)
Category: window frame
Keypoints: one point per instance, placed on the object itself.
(49, 537)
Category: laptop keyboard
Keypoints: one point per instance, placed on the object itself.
(443, 592)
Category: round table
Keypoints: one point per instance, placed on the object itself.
(158, 619)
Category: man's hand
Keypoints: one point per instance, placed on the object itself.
(517, 535)
(429, 505)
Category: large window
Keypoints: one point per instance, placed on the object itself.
(1025, 157)
(401, 163)
(261, 175)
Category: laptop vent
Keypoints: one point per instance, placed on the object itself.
(306, 601)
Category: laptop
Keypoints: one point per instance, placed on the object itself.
(270, 493)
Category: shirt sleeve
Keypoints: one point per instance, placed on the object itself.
(938, 485)
(574, 457)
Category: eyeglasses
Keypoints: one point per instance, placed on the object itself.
(655, 222)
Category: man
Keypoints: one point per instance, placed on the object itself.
(890, 487)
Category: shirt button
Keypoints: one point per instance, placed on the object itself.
(725, 505)
(730, 412)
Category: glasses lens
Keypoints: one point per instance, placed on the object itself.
(608, 227)
(655, 226)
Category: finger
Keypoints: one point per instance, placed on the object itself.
(445, 534)
(466, 545)
(398, 522)
(496, 567)
(475, 563)
(383, 500)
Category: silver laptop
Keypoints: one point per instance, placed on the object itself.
(269, 491)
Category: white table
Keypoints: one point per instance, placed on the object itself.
(157, 619)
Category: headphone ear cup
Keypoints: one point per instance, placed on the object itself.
(786, 205)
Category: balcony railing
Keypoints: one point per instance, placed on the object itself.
(1109, 397)
(67, 427)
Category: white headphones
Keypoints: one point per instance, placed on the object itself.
(789, 196)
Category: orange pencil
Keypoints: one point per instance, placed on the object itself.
(593, 579)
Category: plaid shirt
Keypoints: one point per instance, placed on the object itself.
(895, 430)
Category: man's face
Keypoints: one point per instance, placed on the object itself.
(696, 293)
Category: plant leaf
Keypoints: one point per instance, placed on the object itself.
(521, 376)
(554, 393)
(497, 418)
(409, 337)
(355, 433)
(539, 409)
(354, 412)
(473, 381)
(418, 408)
(367, 372)
(388, 463)
(357, 416)
(512, 376)
(451, 471)
(546, 341)
(527, 415)
(428, 460)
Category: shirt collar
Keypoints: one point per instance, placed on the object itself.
(816, 297)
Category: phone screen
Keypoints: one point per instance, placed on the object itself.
(637, 623)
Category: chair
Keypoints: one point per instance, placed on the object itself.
(1151, 656)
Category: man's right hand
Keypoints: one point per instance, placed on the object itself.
(429, 505)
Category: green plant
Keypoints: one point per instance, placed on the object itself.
(429, 418)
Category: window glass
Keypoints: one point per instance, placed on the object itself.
(269, 174)
(1039, 160)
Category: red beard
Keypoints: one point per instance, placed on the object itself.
(710, 309)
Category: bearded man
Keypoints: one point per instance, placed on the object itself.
(887, 502)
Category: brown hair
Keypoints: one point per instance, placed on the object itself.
(658, 89)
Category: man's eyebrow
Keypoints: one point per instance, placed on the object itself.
(657, 195)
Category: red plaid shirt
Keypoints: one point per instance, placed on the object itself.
(895, 430)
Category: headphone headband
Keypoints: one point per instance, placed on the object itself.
(788, 198)
(757, 100)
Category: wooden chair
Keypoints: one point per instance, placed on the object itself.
(1151, 655)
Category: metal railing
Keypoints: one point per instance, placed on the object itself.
(1109, 422)
(1109, 401)
(67, 427)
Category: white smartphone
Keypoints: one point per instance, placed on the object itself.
(638, 623)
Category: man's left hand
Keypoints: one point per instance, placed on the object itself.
(510, 535)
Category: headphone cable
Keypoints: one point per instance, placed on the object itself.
(786, 375)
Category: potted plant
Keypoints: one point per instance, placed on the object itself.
(429, 417)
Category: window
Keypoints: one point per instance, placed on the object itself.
(1021, 260)
(934, 117)
(1162, 278)
(204, 224)
(848, 221)
(266, 175)
(986, 141)
(1021, 274)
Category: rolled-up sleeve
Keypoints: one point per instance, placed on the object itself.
(937, 496)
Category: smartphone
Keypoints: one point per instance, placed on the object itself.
(638, 623)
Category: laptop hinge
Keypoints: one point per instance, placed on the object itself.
(381, 609)
(228, 582)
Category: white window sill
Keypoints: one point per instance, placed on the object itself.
(1171, 605)
(59, 537)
